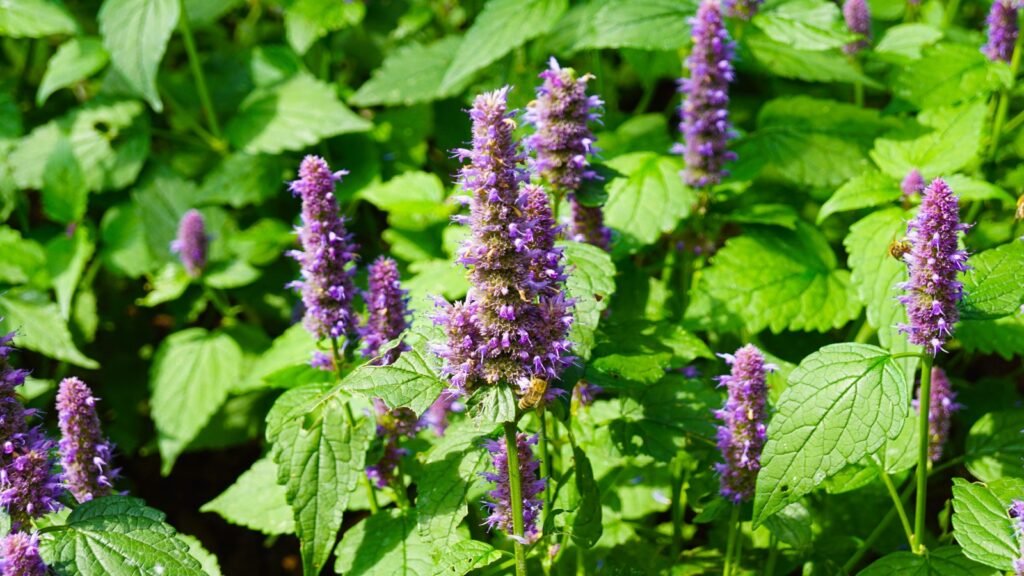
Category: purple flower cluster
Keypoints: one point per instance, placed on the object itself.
(913, 183)
(192, 242)
(742, 9)
(858, 20)
(1002, 30)
(19, 555)
(386, 311)
(436, 417)
(326, 255)
(392, 426)
(85, 454)
(514, 323)
(585, 393)
(705, 115)
(742, 435)
(941, 406)
(500, 506)
(1016, 513)
(934, 261)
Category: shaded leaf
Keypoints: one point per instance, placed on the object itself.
(135, 33)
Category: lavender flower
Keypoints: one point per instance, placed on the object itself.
(742, 435)
(387, 313)
(913, 183)
(19, 555)
(587, 224)
(858, 20)
(28, 486)
(86, 455)
(500, 506)
(326, 255)
(742, 9)
(514, 322)
(705, 115)
(1002, 30)
(1016, 513)
(940, 412)
(436, 417)
(585, 393)
(13, 416)
(934, 260)
(192, 243)
(392, 426)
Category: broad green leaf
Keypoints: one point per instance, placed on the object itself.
(586, 520)
(787, 61)
(207, 561)
(862, 191)
(904, 43)
(65, 194)
(414, 201)
(410, 75)
(294, 346)
(75, 60)
(981, 524)
(591, 284)
(641, 352)
(994, 284)
(793, 525)
(190, 377)
(1004, 336)
(450, 468)
(643, 24)
(995, 446)
(953, 143)
(291, 116)
(843, 402)
(40, 327)
(947, 561)
(243, 179)
(166, 286)
(491, 404)
(947, 74)
(767, 214)
(491, 37)
(263, 242)
(23, 258)
(972, 189)
(256, 501)
(233, 274)
(464, 556)
(805, 25)
(306, 21)
(782, 280)
(202, 12)
(648, 199)
(320, 457)
(412, 381)
(117, 536)
(135, 33)
(35, 19)
(66, 258)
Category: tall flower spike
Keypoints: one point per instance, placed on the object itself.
(327, 253)
(1002, 30)
(85, 455)
(858, 20)
(742, 435)
(19, 555)
(500, 505)
(13, 415)
(940, 412)
(934, 261)
(387, 314)
(705, 114)
(1016, 513)
(913, 183)
(29, 488)
(192, 242)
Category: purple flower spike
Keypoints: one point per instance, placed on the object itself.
(587, 225)
(858, 20)
(192, 243)
(705, 114)
(436, 417)
(28, 486)
(327, 253)
(387, 311)
(19, 555)
(500, 506)
(85, 454)
(934, 261)
(392, 426)
(1016, 513)
(742, 9)
(913, 183)
(940, 412)
(742, 435)
(13, 416)
(1002, 31)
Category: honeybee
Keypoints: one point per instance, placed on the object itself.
(1020, 207)
(898, 248)
(534, 394)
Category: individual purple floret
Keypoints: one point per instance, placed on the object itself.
(500, 506)
(192, 243)
(19, 555)
(858, 20)
(29, 488)
(1002, 30)
(940, 412)
(705, 114)
(934, 261)
(436, 417)
(1016, 513)
(585, 393)
(392, 426)
(913, 183)
(327, 253)
(742, 9)
(85, 455)
(742, 435)
(386, 311)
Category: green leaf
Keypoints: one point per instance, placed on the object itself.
(767, 214)
(243, 179)
(22, 259)
(862, 191)
(75, 60)
(491, 37)
(591, 284)
(443, 483)
(66, 258)
(947, 561)
(203, 12)
(411, 75)
(135, 33)
(640, 351)
(117, 536)
(412, 381)
(40, 327)
(414, 201)
(191, 374)
(843, 402)
(123, 246)
(491, 404)
(161, 200)
(648, 199)
(994, 284)
(168, 285)
(995, 446)
(306, 21)
(464, 556)
(805, 25)
(233, 274)
(947, 74)
(586, 522)
(904, 43)
(320, 457)
(65, 194)
(972, 189)
(292, 115)
(255, 501)
(787, 61)
(782, 280)
(644, 24)
(793, 525)
(1004, 336)
(294, 346)
(35, 19)
(953, 143)
(981, 524)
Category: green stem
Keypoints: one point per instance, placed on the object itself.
(951, 9)
(545, 458)
(923, 457)
(197, 71)
(1004, 101)
(678, 507)
(350, 419)
(516, 496)
(858, 93)
(773, 556)
(922, 357)
(898, 505)
(730, 545)
(219, 302)
(1014, 122)
(865, 333)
